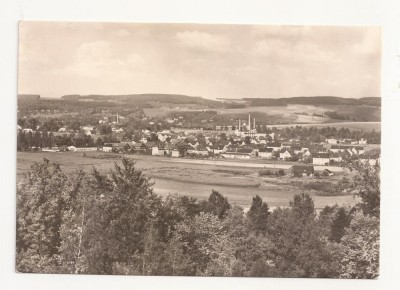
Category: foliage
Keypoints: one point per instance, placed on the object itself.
(367, 185)
(113, 223)
(258, 214)
(360, 246)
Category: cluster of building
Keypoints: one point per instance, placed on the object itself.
(243, 143)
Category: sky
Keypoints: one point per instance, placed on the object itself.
(211, 61)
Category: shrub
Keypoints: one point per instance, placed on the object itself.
(265, 172)
(280, 172)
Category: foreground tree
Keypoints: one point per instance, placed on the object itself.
(42, 199)
(360, 246)
(367, 185)
(258, 214)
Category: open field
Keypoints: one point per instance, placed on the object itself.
(194, 179)
(251, 164)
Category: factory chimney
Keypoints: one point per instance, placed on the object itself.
(249, 122)
(254, 124)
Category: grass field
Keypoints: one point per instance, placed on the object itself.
(197, 180)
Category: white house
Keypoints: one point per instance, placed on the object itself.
(321, 158)
(285, 155)
(107, 148)
(332, 141)
(265, 152)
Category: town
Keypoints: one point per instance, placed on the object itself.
(242, 140)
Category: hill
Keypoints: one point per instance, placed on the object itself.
(146, 98)
(315, 100)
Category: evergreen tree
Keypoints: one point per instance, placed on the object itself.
(258, 214)
(341, 221)
(218, 204)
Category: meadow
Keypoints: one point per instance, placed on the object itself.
(196, 180)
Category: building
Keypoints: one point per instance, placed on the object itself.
(265, 152)
(243, 154)
(285, 155)
(335, 157)
(276, 146)
(81, 149)
(332, 141)
(107, 148)
(175, 153)
(320, 158)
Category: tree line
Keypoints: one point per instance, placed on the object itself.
(114, 223)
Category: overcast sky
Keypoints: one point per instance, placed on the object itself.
(212, 61)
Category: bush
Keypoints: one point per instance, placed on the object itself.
(280, 172)
(325, 173)
(265, 172)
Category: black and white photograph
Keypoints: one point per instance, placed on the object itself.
(230, 150)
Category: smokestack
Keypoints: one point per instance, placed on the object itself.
(239, 124)
(117, 118)
(254, 124)
(249, 122)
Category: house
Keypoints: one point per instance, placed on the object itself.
(285, 155)
(161, 150)
(276, 146)
(218, 149)
(302, 170)
(362, 142)
(296, 149)
(175, 153)
(339, 148)
(139, 148)
(242, 153)
(85, 149)
(332, 141)
(321, 158)
(61, 130)
(107, 148)
(265, 152)
(371, 158)
(335, 157)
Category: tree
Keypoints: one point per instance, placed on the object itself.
(42, 198)
(105, 129)
(367, 185)
(303, 206)
(207, 245)
(360, 246)
(341, 221)
(218, 204)
(258, 214)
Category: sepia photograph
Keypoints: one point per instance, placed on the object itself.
(230, 150)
